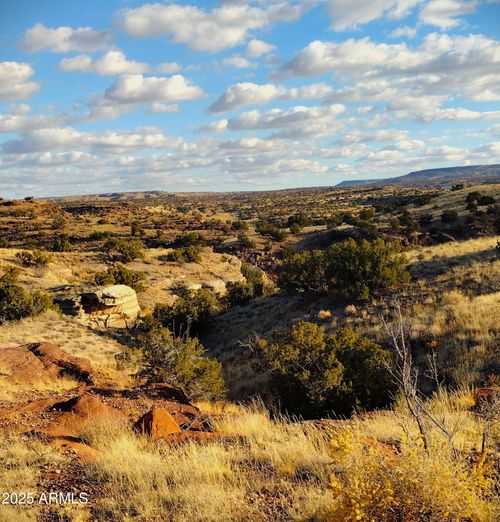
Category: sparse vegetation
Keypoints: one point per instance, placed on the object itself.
(350, 269)
(318, 373)
(120, 275)
(179, 360)
(16, 302)
(320, 268)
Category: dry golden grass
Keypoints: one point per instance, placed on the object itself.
(305, 472)
(72, 336)
(452, 249)
(162, 278)
(13, 392)
(283, 470)
(20, 461)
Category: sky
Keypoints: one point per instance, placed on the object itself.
(122, 95)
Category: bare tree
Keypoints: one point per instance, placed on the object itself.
(406, 374)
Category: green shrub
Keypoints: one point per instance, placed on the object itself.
(350, 269)
(317, 373)
(58, 223)
(123, 250)
(180, 361)
(267, 229)
(357, 270)
(36, 258)
(366, 214)
(190, 239)
(120, 275)
(448, 216)
(245, 241)
(189, 312)
(188, 254)
(239, 225)
(61, 243)
(299, 221)
(304, 272)
(136, 229)
(16, 302)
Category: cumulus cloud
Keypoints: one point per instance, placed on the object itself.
(15, 81)
(64, 39)
(407, 32)
(110, 64)
(66, 137)
(136, 88)
(237, 61)
(291, 123)
(209, 31)
(444, 13)
(168, 68)
(247, 93)
(346, 14)
(256, 48)
(157, 107)
(441, 64)
(23, 122)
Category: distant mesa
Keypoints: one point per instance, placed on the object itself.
(473, 174)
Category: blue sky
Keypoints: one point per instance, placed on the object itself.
(233, 95)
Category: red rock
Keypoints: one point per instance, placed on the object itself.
(79, 415)
(157, 423)
(42, 362)
(51, 355)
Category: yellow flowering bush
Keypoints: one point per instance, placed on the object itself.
(373, 484)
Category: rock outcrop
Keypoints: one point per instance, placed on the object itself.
(112, 306)
(42, 362)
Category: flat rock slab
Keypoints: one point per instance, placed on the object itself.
(42, 362)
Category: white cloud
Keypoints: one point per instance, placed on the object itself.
(237, 61)
(64, 39)
(406, 31)
(440, 65)
(347, 14)
(444, 13)
(24, 122)
(209, 31)
(15, 81)
(216, 126)
(50, 139)
(19, 109)
(168, 68)
(136, 88)
(157, 107)
(247, 93)
(256, 48)
(110, 64)
(293, 123)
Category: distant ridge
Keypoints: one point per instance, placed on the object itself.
(436, 177)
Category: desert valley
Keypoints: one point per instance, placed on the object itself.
(310, 354)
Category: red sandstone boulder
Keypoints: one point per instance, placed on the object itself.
(79, 415)
(157, 423)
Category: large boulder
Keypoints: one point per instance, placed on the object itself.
(111, 306)
(157, 423)
(217, 286)
(79, 415)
